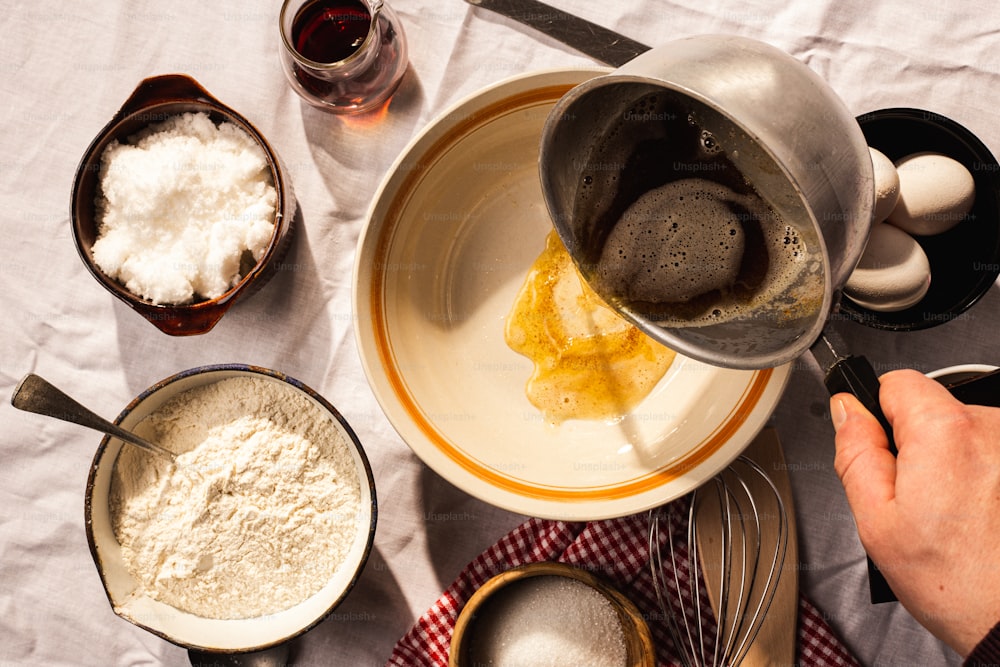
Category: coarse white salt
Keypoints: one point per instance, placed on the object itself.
(548, 621)
(259, 512)
(181, 207)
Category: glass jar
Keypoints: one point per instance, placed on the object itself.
(342, 56)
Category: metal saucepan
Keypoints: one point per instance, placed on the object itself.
(741, 115)
(744, 120)
(655, 174)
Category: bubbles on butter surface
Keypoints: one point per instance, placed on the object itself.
(708, 143)
(674, 243)
(770, 265)
(696, 240)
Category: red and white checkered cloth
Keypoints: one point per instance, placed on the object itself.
(615, 549)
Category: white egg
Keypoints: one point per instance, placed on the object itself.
(893, 273)
(935, 193)
(886, 185)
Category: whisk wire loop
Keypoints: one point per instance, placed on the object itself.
(750, 560)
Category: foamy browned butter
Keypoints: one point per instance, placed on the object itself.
(590, 363)
(694, 242)
(676, 242)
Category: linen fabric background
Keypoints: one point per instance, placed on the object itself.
(65, 68)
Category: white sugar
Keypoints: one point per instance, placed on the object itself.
(548, 621)
(181, 207)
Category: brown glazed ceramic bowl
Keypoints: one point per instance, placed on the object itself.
(154, 100)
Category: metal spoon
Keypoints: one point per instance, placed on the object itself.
(35, 394)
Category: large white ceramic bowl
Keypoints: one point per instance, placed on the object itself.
(449, 239)
(184, 628)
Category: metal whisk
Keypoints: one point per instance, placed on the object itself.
(736, 539)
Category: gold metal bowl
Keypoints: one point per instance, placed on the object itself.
(635, 632)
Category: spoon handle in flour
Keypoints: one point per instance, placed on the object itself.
(36, 394)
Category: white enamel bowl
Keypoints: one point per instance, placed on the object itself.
(449, 239)
(186, 629)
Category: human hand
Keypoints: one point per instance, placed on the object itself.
(929, 518)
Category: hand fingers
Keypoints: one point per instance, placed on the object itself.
(913, 402)
(864, 464)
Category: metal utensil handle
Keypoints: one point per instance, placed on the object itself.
(596, 41)
(36, 394)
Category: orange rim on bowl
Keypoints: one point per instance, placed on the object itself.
(433, 282)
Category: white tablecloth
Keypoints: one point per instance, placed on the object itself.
(66, 67)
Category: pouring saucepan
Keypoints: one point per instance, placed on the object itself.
(723, 109)
(741, 118)
(744, 122)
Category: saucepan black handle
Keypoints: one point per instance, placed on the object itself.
(856, 376)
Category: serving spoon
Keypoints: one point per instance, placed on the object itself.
(36, 394)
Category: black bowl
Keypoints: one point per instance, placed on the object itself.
(965, 260)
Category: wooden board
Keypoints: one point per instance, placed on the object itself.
(776, 638)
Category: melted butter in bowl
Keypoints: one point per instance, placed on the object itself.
(590, 363)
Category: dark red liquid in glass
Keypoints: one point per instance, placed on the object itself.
(328, 32)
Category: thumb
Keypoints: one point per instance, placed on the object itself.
(863, 462)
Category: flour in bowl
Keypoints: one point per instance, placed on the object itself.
(183, 209)
(259, 512)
